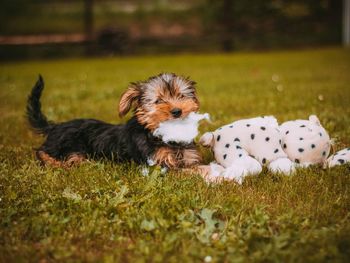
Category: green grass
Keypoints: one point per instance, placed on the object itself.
(110, 212)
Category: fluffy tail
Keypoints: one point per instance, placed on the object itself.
(36, 118)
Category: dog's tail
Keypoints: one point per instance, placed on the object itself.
(36, 118)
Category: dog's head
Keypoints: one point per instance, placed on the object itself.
(160, 98)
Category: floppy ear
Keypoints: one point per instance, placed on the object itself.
(128, 98)
(207, 139)
(314, 119)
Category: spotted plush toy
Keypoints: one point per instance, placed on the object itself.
(243, 147)
(339, 158)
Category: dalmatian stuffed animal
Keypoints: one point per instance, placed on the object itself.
(244, 146)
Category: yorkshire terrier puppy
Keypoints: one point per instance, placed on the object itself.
(160, 98)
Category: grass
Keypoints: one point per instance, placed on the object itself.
(109, 212)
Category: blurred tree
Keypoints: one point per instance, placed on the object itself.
(88, 19)
(88, 24)
(12, 9)
(226, 22)
(235, 23)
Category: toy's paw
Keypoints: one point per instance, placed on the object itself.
(248, 163)
(242, 167)
(211, 173)
(235, 172)
(339, 158)
(282, 165)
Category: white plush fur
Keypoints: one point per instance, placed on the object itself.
(182, 130)
(241, 168)
(282, 165)
(339, 158)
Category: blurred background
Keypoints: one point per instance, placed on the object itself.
(56, 28)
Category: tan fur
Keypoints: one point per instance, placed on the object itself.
(48, 160)
(177, 158)
(161, 112)
(127, 99)
(191, 157)
(72, 160)
(165, 156)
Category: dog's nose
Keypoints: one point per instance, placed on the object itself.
(176, 112)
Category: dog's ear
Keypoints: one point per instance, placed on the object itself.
(207, 139)
(128, 98)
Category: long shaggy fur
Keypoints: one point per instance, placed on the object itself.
(35, 117)
(153, 101)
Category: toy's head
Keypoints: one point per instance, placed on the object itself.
(305, 141)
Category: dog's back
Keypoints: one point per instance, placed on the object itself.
(79, 136)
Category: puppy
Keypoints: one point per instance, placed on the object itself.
(154, 101)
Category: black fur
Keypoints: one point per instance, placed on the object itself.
(92, 138)
(35, 117)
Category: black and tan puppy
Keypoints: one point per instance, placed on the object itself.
(158, 99)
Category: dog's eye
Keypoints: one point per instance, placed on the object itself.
(158, 101)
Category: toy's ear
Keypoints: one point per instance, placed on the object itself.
(314, 119)
(207, 139)
(128, 98)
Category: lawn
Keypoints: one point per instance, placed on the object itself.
(110, 212)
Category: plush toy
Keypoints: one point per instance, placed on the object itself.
(243, 147)
(181, 130)
(339, 158)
